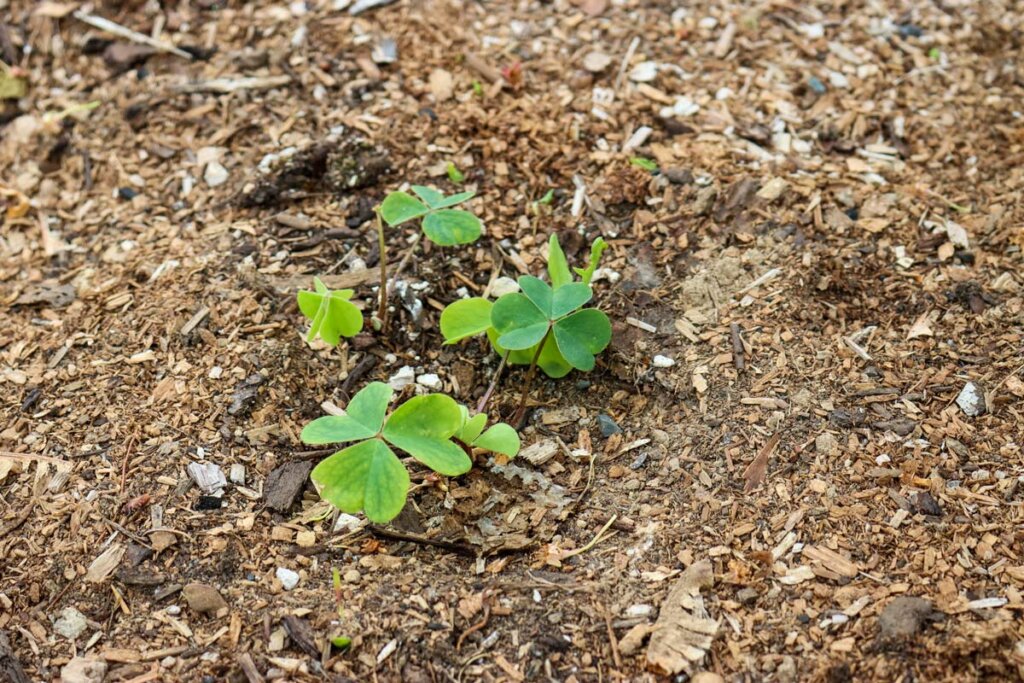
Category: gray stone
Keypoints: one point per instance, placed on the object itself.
(71, 623)
(903, 617)
(972, 400)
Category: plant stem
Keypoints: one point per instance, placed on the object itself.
(529, 380)
(408, 255)
(494, 382)
(382, 310)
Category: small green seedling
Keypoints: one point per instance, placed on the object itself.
(442, 225)
(340, 642)
(644, 163)
(499, 438)
(368, 476)
(545, 325)
(454, 174)
(333, 316)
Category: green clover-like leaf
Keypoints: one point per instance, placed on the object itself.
(423, 427)
(399, 207)
(465, 318)
(363, 418)
(518, 321)
(332, 316)
(448, 227)
(367, 476)
(582, 335)
(558, 266)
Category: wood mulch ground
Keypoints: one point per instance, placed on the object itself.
(799, 460)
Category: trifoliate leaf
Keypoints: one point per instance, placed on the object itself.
(519, 323)
(332, 315)
(465, 318)
(582, 335)
(448, 227)
(367, 476)
(363, 418)
(399, 207)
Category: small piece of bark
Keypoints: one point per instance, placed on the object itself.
(754, 474)
(684, 630)
(301, 634)
(285, 484)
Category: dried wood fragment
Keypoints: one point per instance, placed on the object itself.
(737, 347)
(754, 474)
(226, 86)
(684, 630)
(248, 667)
(128, 34)
(285, 484)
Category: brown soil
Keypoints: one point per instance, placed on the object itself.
(830, 252)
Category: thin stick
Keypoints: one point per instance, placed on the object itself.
(494, 383)
(458, 548)
(594, 541)
(408, 255)
(128, 34)
(529, 379)
(382, 310)
(737, 347)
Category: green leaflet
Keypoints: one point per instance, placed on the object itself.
(558, 267)
(399, 207)
(596, 249)
(465, 318)
(582, 335)
(365, 477)
(448, 227)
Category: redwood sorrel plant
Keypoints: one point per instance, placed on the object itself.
(544, 325)
(368, 476)
(442, 225)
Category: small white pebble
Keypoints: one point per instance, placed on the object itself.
(504, 285)
(403, 378)
(663, 362)
(174, 610)
(287, 577)
(215, 372)
(215, 174)
(430, 381)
